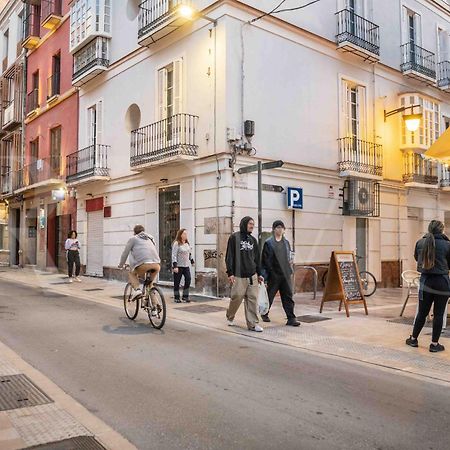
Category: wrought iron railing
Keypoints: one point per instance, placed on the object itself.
(443, 73)
(88, 162)
(32, 22)
(444, 179)
(42, 170)
(357, 30)
(153, 13)
(360, 156)
(165, 139)
(6, 181)
(96, 53)
(51, 8)
(419, 169)
(54, 85)
(417, 59)
(32, 100)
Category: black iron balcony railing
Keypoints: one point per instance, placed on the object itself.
(42, 170)
(166, 139)
(153, 13)
(443, 74)
(444, 178)
(419, 60)
(94, 54)
(358, 31)
(51, 8)
(32, 100)
(360, 156)
(6, 181)
(419, 169)
(54, 85)
(88, 162)
(32, 23)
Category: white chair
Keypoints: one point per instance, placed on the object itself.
(410, 280)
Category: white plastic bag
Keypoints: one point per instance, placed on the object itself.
(263, 300)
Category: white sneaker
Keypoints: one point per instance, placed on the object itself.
(136, 293)
(70, 280)
(231, 323)
(258, 329)
(78, 279)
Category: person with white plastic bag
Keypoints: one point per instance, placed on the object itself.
(263, 300)
(277, 271)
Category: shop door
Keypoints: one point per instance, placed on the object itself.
(31, 237)
(16, 237)
(94, 265)
(169, 224)
(62, 231)
(51, 236)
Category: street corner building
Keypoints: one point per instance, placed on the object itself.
(143, 111)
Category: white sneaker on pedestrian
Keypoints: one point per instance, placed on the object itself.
(136, 293)
(70, 280)
(258, 329)
(78, 279)
(231, 323)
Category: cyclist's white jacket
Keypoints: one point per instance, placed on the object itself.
(142, 250)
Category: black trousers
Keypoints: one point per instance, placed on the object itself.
(186, 272)
(434, 290)
(280, 283)
(73, 257)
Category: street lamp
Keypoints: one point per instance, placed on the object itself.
(412, 120)
(190, 13)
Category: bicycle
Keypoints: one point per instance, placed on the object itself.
(152, 301)
(368, 280)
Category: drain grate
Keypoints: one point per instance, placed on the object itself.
(408, 321)
(202, 309)
(75, 443)
(18, 391)
(93, 289)
(312, 319)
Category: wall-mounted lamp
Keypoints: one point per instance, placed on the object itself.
(190, 13)
(412, 120)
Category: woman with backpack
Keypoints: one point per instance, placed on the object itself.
(181, 265)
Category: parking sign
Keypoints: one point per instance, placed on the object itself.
(295, 198)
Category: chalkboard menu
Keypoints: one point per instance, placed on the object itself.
(343, 282)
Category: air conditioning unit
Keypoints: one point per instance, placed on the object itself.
(8, 115)
(361, 198)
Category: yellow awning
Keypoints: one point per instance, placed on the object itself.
(441, 147)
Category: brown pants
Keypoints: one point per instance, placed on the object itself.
(242, 289)
(140, 271)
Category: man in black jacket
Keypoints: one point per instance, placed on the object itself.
(277, 271)
(244, 273)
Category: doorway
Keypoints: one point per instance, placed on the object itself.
(361, 243)
(62, 231)
(51, 236)
(15, 216)
(31, 229)
(94, 263)
(169, 224)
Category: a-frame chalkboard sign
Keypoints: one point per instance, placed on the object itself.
(343, 282)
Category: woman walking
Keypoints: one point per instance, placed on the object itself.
(73, 255)
(181, 265)
(432, 254)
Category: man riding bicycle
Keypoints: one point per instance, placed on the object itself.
(143, 258)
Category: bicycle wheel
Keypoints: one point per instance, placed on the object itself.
(130, 305)
(157, 312)
(324, 278)
(369, 283)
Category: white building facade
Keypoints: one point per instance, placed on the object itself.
(166, 102)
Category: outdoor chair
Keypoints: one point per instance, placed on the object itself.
(410, 280)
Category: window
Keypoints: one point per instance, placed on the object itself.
(354, 110)
(443, 41)
(34, 164)
(411, 27)
(94, 124)
(55, 80)
(55, 151)
(3, 236)
(170, 90)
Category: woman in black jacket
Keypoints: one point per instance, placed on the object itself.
(432, 254)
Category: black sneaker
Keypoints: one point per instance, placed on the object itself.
(436, 348)
(412, 342)
(265, 318)
(293, 323)
(186, 300)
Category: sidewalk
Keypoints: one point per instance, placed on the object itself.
(375, 339)
(35, 413)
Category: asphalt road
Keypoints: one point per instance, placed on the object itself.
(188, 387)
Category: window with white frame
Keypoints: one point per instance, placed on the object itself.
(94, 124)
(354, 120)
(170, 87)
(411, 27)
(443, 45)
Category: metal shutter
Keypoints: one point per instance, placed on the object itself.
(94, 264)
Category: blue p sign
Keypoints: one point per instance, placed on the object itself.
(295, 198)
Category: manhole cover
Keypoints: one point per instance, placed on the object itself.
(312, 319)
(75, 443)
(408, 321)
(93, 289)
(18, 391)
(202, 309)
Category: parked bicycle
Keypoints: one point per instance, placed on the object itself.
(368, 280)
(152, 301)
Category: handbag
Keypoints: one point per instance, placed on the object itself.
(263, 300)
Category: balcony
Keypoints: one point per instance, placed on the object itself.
(88, 164)
(90, 61)
(6, 185)
(444, 181)
(11, 115)
(51, 13)
(420, 171)
(443, 80)
(360, 159)
(42, 172)
(358, 35)
(53, 87)
(32, 101)
(418, 63)
(31, 28)
(158, 18)
(171, 139)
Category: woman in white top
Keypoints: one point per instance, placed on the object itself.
(72, 247)
(181, 265)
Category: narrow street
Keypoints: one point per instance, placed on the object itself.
(194, 388)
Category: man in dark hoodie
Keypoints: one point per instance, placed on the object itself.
(244, 272)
